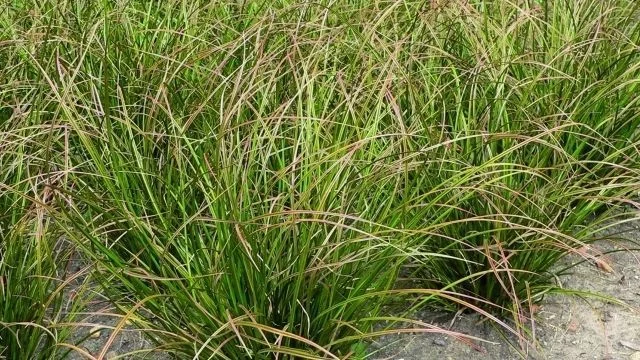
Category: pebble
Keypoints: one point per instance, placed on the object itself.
(95, 332)
(635, 356)
(439, 342)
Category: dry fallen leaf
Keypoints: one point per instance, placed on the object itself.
(603, 265)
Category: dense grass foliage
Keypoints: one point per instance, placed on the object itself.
(540, 104)
(251, 176)
(31, 266)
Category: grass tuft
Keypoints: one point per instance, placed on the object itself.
(251, 177)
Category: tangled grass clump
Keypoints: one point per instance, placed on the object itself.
(250, 177)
